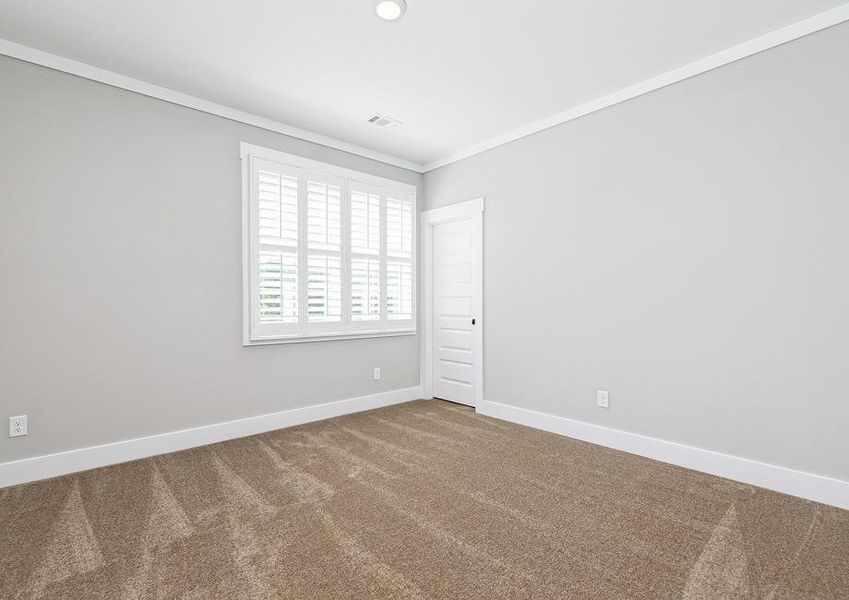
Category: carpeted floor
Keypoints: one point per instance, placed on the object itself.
(420, 500)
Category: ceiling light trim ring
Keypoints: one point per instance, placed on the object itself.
(389, 10)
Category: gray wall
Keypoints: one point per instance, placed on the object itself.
(686, 251)
(120, 268)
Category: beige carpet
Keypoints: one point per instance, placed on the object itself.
(421, 500)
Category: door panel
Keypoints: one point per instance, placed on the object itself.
(456, 284)
(457, 339)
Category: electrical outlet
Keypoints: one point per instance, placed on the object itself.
(377, 373)
(17, 426)
(602, 399)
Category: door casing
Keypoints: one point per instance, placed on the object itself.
(471, 209)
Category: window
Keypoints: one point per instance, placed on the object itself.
(329, 252)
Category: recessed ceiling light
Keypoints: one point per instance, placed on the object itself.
(390, 10)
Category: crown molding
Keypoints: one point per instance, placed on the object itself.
(751, 47)
(87, 71)
(759, 44)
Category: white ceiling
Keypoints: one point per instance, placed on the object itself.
(456, 72)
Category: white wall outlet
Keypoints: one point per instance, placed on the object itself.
(377, 373)
(17, 426)
(602, 398)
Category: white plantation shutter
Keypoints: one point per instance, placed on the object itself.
(365, 289)
(399, 258)
(324, 252)
(277, 211)
(399, 291)
(365, 255)
(278, 287)
(330, 253)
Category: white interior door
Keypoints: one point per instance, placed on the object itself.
(457, 289)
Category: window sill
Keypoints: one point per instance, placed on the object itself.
(330, 337)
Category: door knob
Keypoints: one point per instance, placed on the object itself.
(473, 321)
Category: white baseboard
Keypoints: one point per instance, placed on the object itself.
(780, 479)
(82, 459)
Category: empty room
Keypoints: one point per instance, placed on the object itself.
(427, 299)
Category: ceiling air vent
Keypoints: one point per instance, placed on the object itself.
(383, 121)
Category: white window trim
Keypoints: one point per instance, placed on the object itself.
(251, 151)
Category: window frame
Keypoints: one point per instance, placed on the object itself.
(347, 328)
